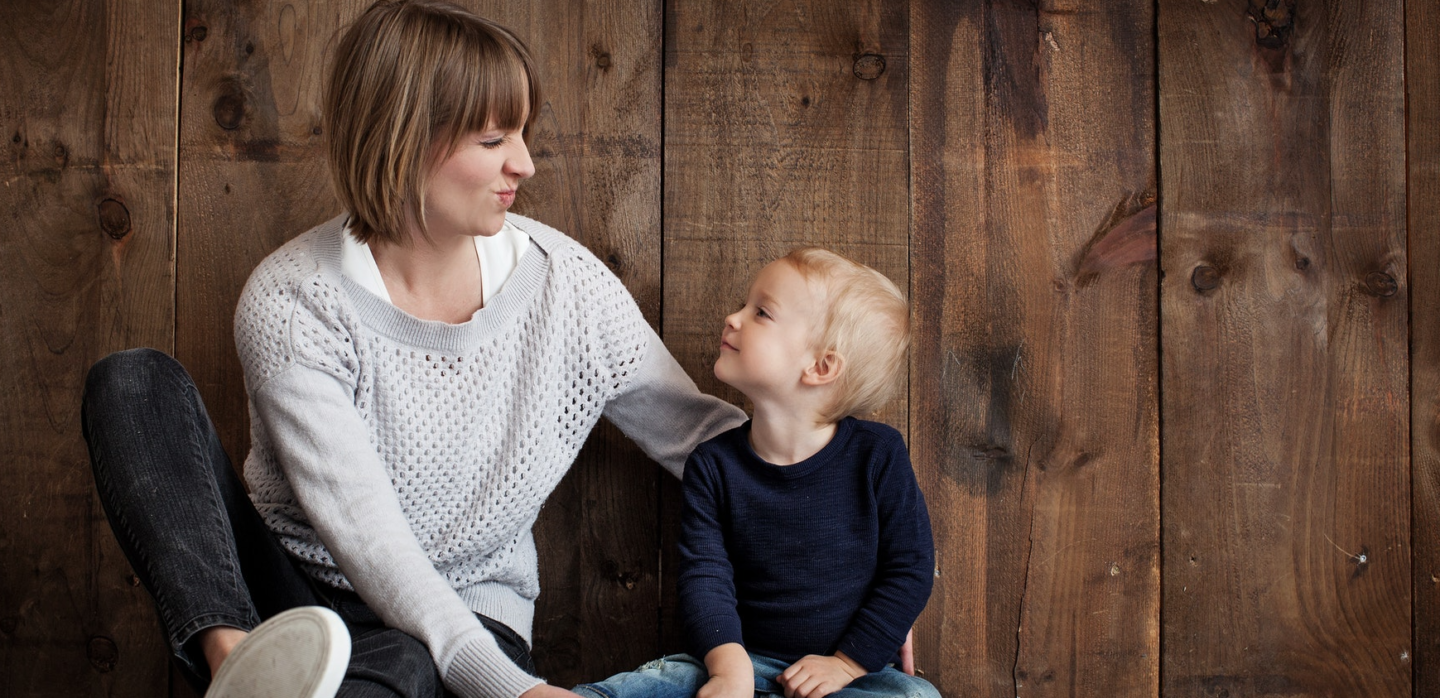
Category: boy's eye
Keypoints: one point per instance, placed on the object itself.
(760, 312)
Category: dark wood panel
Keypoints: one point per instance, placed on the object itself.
(1034, 401)
(87, 109)
(253, 176)
(785, 125)
(1422, 88)
(1284, 332)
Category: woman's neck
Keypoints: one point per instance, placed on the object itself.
(437, 279)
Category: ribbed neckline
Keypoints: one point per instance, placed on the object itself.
(387, 320)
(838, 443)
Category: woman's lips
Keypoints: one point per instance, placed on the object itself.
(507, 197)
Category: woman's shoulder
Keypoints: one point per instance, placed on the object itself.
(281, 275)
(574, 266)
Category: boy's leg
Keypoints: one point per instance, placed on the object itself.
(179, 512)
(675, 676)
(888, 683)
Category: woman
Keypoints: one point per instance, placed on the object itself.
(422, 370)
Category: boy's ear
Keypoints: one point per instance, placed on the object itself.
(824, 369)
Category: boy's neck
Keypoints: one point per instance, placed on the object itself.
(783, 436)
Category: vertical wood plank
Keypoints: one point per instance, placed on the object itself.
(253, 176)
(1422, 88)
(1284, 331)
(1034, 376)
(87, 109)
(785, 125)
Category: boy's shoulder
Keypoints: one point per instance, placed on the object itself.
(722, 445)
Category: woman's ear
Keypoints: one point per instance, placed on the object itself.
(824, 369)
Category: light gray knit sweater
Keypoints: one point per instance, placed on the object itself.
(408, 459)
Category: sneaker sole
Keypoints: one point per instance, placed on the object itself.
(301, 653)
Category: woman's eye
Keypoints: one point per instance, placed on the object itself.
(492, 144)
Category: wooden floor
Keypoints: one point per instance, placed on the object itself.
(1174, 267)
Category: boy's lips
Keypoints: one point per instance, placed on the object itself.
(726, 345)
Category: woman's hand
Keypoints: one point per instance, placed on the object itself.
(815, 676)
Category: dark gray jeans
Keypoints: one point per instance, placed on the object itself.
(198, 545)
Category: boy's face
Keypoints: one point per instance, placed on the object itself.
(766, 345)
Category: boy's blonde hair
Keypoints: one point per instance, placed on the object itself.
(410, 78)
(867, 321)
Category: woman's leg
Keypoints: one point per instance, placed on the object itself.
(179, 512)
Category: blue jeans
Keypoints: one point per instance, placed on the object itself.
(196, 542)
(681, 675)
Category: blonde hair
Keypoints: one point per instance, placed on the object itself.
(867, 321)
(410, 78)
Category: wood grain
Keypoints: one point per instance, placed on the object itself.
(1422, 88)
(253, 176)
(1284, 332)
(87, 109)
(1034, 400)
(784, 126)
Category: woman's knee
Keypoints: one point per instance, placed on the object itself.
(133, 374)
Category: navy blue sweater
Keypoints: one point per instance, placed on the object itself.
(831, 553)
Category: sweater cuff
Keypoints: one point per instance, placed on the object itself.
(475, 672)
(712, 631)
(869, 650)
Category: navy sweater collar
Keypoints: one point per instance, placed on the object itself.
(843, 430)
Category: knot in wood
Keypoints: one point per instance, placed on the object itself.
(1274, 22)
(114, 219)
(103, 654)
(229, 108)
(9, 624)
(1205, 278)
(199, 33)
(869, 66)
(1378, 283)
(603, 60)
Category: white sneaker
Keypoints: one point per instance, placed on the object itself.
(301, 653)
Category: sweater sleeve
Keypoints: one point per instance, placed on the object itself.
(706, 580)
(662, 410)
(905, 568)
(301, 392)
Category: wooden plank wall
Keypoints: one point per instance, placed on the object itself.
(87, 106)
(1422, 91)
(1284, 329)
(1174, 464)
(1034, 391)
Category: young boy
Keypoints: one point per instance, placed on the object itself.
(805, 550)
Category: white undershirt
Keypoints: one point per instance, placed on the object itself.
(497, 254)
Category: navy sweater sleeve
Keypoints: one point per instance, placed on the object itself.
(706, 581)
(905, 566)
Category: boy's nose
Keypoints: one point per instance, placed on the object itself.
(733, 320)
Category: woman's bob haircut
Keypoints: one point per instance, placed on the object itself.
(409, 80)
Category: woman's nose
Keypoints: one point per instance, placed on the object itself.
(519, 163)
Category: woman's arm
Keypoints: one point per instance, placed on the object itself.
(663, 411)
(341, 484)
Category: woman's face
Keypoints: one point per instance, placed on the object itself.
(470, 191)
